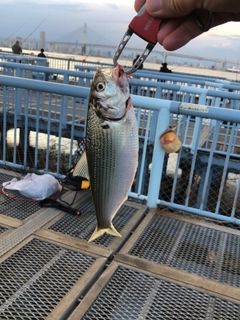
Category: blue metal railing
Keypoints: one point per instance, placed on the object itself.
(83, 74)
(210, 137)
(171, 88)
(175, 78)
(38, 72)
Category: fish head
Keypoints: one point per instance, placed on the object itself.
(110, 94)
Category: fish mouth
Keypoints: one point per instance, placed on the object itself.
(120, 77)
(119, 71)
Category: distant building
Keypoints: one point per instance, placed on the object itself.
(84, 49)
(41, 42)
(69, 49)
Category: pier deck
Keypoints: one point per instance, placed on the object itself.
(165, 266)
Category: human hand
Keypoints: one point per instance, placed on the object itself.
(180, 26)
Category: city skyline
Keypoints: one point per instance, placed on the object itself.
(108, 20)
(87, 50)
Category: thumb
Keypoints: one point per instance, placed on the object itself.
(171, 8)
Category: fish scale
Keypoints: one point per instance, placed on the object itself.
(112, 155)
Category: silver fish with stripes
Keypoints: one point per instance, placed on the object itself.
(111, 145)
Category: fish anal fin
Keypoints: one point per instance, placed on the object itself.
(99, 232)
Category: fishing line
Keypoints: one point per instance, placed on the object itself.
(15, 32)
(36, 28)
(94, 46)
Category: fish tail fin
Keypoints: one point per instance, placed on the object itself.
(99, 232)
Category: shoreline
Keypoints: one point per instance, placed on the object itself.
(227, 75)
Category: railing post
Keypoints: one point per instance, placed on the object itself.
(157, 159)
(68, 65)
(198, 125)
(18, 93)
(64, 104)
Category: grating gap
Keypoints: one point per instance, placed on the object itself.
(135, 295)
(2, 230)
(199, 250)
(36, 278)
(17, 235)
(83, 226)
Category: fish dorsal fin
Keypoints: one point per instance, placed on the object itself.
(81, 168)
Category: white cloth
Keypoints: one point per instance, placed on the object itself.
(37, 187)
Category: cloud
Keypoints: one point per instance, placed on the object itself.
(226, 29)
(112, 6)
(235, 38)
(108, 19)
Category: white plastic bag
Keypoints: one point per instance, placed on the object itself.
(37, 187)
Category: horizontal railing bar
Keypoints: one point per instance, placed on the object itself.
(44, 86)
(139, 101)
(38, 68)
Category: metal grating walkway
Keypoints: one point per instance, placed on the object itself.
(82, 227)
(132, 294)
(172, 267)
(196, 249)
(37, 277)
(166, 266)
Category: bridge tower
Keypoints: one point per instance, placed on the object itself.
(84, 39)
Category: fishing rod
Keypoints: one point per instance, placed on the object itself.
(15, 32)
(93, 47)
(36, 28)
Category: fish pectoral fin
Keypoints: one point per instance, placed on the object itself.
(99, 232)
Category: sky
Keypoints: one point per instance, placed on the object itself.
(108, 19)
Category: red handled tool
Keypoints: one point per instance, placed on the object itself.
(146, 27)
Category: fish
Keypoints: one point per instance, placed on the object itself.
(111, 145)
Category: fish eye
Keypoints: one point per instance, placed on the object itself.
(100, 86)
